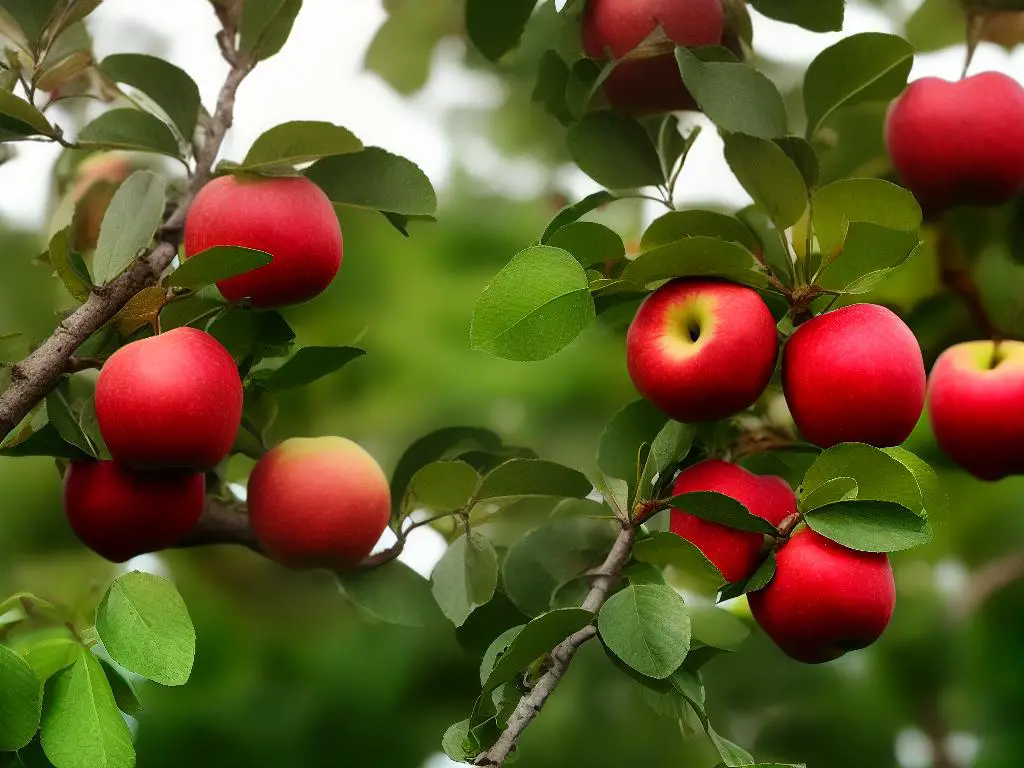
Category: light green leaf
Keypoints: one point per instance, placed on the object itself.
(534, 640)
(50, 655)
(664, 549)
(130, 129)
(20, 701)
(874, 201)
(307, 365)
(298, 142)
(815, 15)
(59, 412)
(377, 180)
(879, 476)
(733, 756)
(19, 117)
(735, 97)
(533, 477)
(145, 627)
(589, 242)
(615, 151)
(537, 305)
(718, 628)
(394, 594)
(443, 486)
(495, 28)
(465, 577)
(129, 224)
(870, 66)
(78, 284)
(678, 225)
(168, 86)
(769, 176)
(636, 424)
(648, 627)
(869, 254)
(722, 509)
(669, 448)
(453, 740)
(870, 526)
(933, 494)
(692, 257)
(836, 489)
(215, 264)
(82, 727)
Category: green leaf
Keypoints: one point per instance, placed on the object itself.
(769, 177)
(453, 740)
(735, 97)
(377, 180)
(44, 441)
(534, 640)
(869, 254)
(78, 285)
(589, 242)
(394, 594)
(669, 448)
(59, 412)
(870, 66)
(31, 16)
(48, 656)
(678, 225)
(309, 364)
(21, 118)
(298, 142)
(615, 151)
(804, 156)
(761, 578)
(870, 526)
(718, 628)
(215, 264)
(693, 257)
(633, 426)
(534, 307)
(495, 28)
(125, 696)
(533, 477)
(265, 26)
(576, 211)
(815, 15)
(873, 201)
(496, 648)
(82, 727)
(168, 86)
(667, 549)
(733, 756)
(465, 577)
(879, 476)
(836, 489)
(129, 224)
(252, 335)
(129, 129)
(722, 509)
(20, 701)
(443, 486)
(648, 627)
(145, 627)
(933, 494)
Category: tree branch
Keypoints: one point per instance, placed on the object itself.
(532, 702)
(987, 581)
(955, 270)
(38, 373)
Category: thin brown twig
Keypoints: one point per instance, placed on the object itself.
(955, 270)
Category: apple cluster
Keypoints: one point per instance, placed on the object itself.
(169, 406)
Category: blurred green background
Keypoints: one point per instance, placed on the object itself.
(287, 674)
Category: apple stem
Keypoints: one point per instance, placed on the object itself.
(975, 22)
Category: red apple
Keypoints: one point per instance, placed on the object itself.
(119, 513)
(825, 599)
(318, 502)
(702, 349)
(289, 218)
(735, 553)
(652, 84)
(854, 375)
(958, 143)
(172, 400)
(974, 401)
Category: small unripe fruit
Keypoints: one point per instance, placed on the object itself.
(702, 349)
(172, 400)
(855, 375)
(119, 513)
(318, 502)
(653, 84)
(735, 553)
(289, 218)
(825, 599)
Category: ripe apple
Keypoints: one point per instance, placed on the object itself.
(954, 143)
(974, 401)
(119, 513)
(172, 400)
(735, 553)
(854, 375)
(289, 218)
(651, 84)
(318, 502)
(702, 349)
(825, 599)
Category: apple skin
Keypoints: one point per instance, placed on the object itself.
(119, 513)
(735, 553)
(289, 218)
(954, 143)
(649, 85)
(975, 410)
(318, 503)
(825, 599)
(724, 371)
(854, 375)
(172, 400)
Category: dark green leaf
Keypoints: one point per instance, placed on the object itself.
(169, 86)
(214, 264)
(299, 142)
(693, 257)
(45, 441)
(736, 97)
(615, 151)
(265, 26)
(815, 15)
(125, 696)
(804, 156)
(534, 640)
(30, 15)
(145, 627)
(78, 284)
(669, 448)
(465, 577)
(870, 526)
(377, 180)
(537, 305)
(648, 627)
(722, 509)
(20, 701)
(576, 211)
(678, 225)
(443, 486)
(129, 129)
(667, 549)
(394, 594)
(487, 622)
(549, 90)
(309, 364)
(495, 28)
(589, 242)
(60, 415)
(870, 66)
(636, 424)
(129, 224)
(836, 489)
(533, 477)
(769, 176)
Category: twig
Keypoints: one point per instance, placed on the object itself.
(987, 581)
(38, 373)
(956, 276)
(532, 701)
